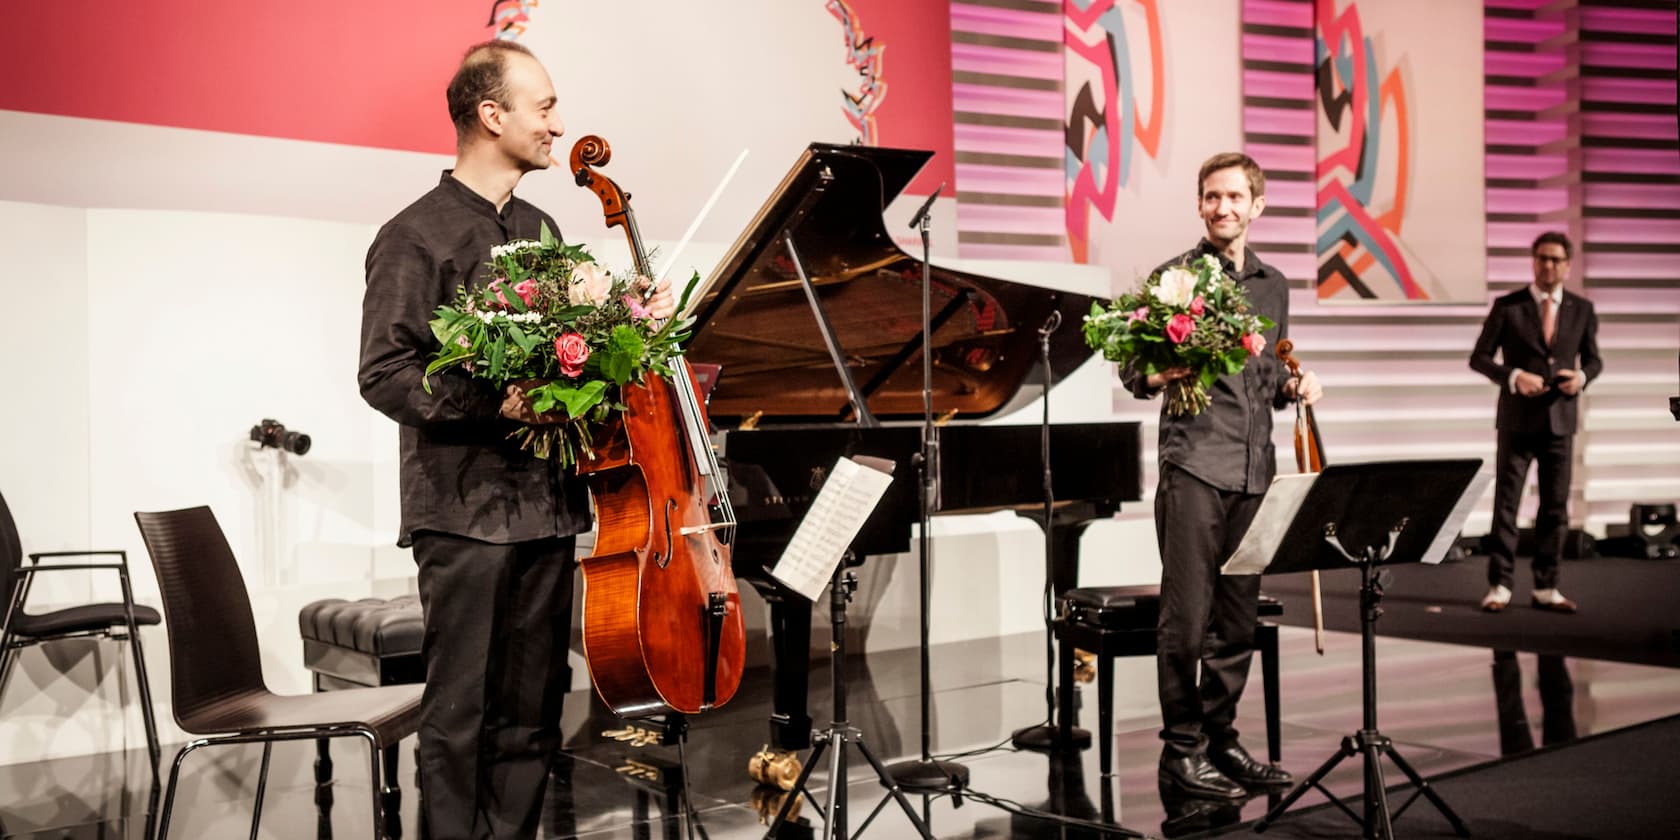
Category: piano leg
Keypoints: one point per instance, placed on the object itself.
(790, 644)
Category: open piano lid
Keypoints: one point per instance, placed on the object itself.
(754, 321)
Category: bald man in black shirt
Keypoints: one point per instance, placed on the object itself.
(492, 527)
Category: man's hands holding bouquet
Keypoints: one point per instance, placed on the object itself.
(560, 337)
(1182, 329)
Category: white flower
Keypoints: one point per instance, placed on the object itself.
(1177, 287)
(591, 282)
(514, 247)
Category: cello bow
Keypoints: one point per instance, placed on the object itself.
(1309, 458)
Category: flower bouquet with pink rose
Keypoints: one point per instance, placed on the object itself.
(1191, 316)
(549, 312)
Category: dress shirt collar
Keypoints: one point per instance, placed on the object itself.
(1539, 296)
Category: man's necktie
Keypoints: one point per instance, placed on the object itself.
(1548, 318)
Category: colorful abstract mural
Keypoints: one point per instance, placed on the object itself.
(866, 57)
(1105, 128)
(1364, 134)
(508, 18)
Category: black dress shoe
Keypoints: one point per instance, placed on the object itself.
(1194, 775)
(1235, 762)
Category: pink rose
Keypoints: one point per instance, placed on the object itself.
(527, 291)
(1197, 306)
(637, 310)
(496, 286)
(572, 351)
(591, 282)
(1140, 314)
(1179, 328)
(1254, 343)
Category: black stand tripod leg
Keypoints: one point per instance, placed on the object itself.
(894, 791)
(1429, 793)
(1378, 824)
(798, 789)
(1306, 785)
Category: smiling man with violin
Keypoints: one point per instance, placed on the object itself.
(492, 526)
(1215, 467)
(1546, 340)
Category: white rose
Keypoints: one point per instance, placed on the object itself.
(592, 282)
(1177, 287)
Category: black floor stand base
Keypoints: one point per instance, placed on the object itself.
(930, 775)
(1045, 739)
(1378, 821)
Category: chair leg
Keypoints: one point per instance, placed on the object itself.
(323, 761)
(262, 788)
(169, 792)
(146, 710)
(392, 760)
(1267, 637)
(8, 656)
(1105, 711)
(375, 774)
(140, 669)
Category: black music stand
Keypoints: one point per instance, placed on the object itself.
(1391, 512)
(840, 733)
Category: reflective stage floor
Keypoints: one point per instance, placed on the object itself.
(1437, 701)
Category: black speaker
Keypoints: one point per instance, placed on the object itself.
(1652, 532)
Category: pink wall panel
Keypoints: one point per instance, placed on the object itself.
(369, 73)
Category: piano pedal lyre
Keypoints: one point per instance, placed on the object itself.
(1084, 666)
(774, 768)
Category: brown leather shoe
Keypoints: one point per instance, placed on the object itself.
(1495, 600)
(1554, 602)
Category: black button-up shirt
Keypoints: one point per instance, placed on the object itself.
(1229, 445)
(459, 472)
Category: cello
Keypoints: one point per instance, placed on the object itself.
(662, 627)
(1309, 458)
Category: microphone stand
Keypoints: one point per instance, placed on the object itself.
(927, 774)
(1045, 737)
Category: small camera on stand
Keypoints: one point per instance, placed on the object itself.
(271, 433)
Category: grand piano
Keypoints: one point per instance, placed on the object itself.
(812, 324)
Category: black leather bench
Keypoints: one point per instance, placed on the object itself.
(1110, 621)
(365, 643)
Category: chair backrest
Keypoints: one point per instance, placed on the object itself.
(11, 554)
(213, 652)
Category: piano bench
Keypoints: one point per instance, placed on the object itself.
(366, 643)
(1110, 621)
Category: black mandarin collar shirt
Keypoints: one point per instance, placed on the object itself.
(1229, 445)
(459, 473)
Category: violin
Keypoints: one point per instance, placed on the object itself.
(1309, 458)
(662, 625)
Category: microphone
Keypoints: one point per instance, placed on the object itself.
(922, 214)
(1051, 324)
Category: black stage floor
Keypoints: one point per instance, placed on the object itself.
(1628, 608)
(1437, 701)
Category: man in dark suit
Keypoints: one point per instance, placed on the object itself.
(492, 527)
(1546, 339)
(1215, 468)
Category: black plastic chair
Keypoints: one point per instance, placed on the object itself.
(116, 621)
(216, 666)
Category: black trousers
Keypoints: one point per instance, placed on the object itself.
(1207, 619)
(1551, 522)
(1557, 702)
(497, 627)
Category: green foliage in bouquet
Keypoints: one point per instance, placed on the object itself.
(1191, 316)
(553, 318)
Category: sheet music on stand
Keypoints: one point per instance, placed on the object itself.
(847, 498)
